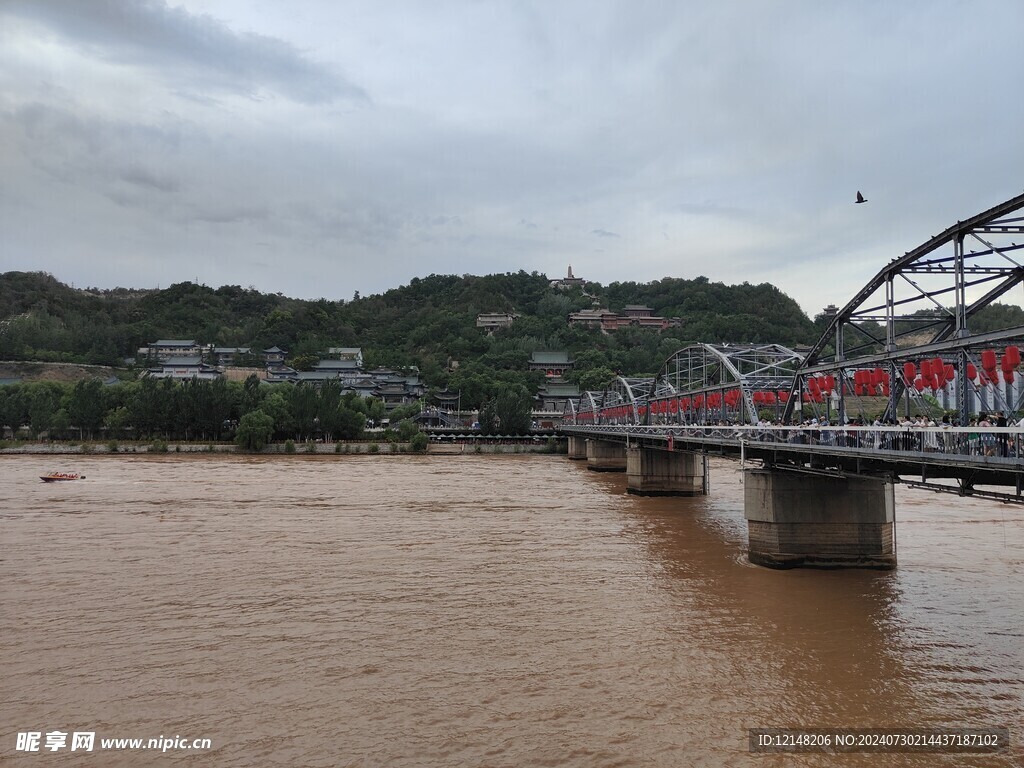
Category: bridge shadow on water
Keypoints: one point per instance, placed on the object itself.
(816, 648)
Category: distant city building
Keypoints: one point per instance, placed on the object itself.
(491, 321)
(569, 281)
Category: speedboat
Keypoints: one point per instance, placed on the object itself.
(54, 477)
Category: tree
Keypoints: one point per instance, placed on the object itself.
(86, 406)
(254, 431)
(594, 378)
(406, 428)
(277, 407)
(508, 413)
(116, 421)
(329, 408)
(44, 402)
(304, 405)
(350, 424)
(252, 396)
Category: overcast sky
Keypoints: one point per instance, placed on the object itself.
(320, 147)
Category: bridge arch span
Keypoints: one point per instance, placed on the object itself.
(909, 329)
(705, 383)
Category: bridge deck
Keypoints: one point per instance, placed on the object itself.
(972, 456)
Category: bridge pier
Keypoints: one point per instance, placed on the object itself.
(605, 456)
(796, 520)
(577, 447)
(656, 472)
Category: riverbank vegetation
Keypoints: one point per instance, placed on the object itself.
(194, 410)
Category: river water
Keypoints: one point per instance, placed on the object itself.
(477, 611)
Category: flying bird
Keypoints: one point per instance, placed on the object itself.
(861, 198)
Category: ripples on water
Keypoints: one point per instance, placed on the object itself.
(476, 610)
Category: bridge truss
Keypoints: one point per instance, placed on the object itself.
(909, 329)
(906, 337)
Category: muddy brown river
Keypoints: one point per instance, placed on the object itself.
(476, 611)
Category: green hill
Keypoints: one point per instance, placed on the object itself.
(429, 323)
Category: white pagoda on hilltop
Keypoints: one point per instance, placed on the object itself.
(569, 281)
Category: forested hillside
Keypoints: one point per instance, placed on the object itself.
(429, 323)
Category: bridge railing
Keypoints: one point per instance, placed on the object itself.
(973, 442)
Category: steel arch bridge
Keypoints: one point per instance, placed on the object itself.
(721, 382)
(909, 328)
(620, 402)
(699, 382)
(904, 337)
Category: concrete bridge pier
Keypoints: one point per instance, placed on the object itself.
(605, 456)
(656, 472)
(577, 447)
(802, 520)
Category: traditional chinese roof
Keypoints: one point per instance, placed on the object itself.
(337, 365)
(550, 358)
(174, 343)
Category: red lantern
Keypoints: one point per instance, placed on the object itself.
(909, 372)
(926, 369)
(919, 384)
(936, 382)
(988, 359)
(972, 372)
(1006, 364)
(673, 406)
(783, 396)
(1008, 376)
(1014, 354)
(949, 372)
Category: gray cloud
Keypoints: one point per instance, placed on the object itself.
(184, 47)
(145, 143)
